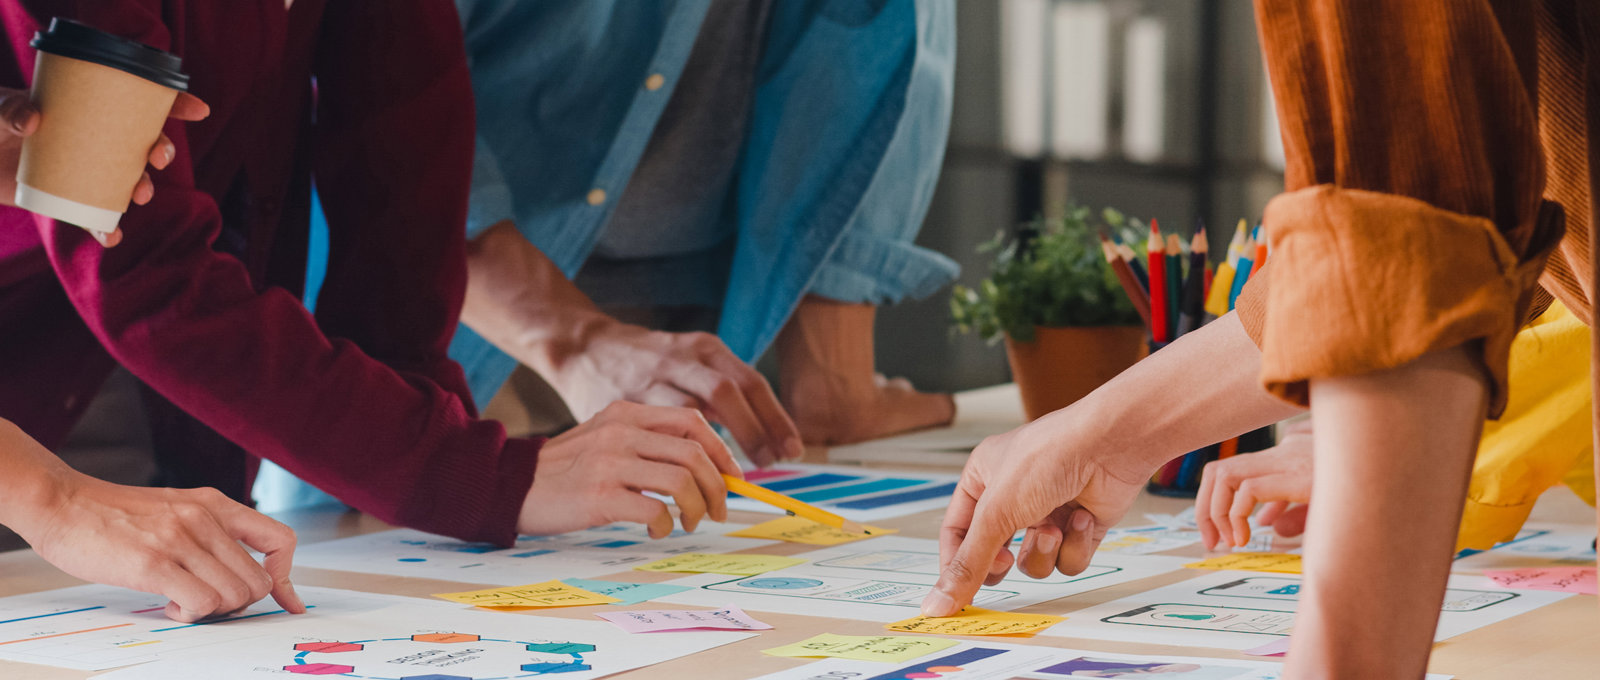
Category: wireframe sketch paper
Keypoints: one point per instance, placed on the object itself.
(885, 579)
(655, 621)
(96, 627)
(995, 661)
(1539, 544)
(580, 554)
(1242, 610)
(425, 639)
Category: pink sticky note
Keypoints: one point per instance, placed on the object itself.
(1564, 579)
(654, 621)
(1278, 647)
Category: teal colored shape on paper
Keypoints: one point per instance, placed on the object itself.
(629, 593)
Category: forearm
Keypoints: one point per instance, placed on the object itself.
(520, 301)
(31, 480)
(1394, 451)
(1200, 390)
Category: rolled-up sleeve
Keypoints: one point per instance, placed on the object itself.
(1412, 217)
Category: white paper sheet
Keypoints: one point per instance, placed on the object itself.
(99, 627)
(1244, 609)
(861, 494)
(420, 639)
(885, 579)
(1537, 545)
(994, 661)
(580, 554)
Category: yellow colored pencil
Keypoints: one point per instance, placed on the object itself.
(792, 506)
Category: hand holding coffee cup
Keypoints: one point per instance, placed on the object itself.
(77, 145)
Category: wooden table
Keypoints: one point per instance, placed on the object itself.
(1558, 641)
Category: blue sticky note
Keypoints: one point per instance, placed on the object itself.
(629, 593)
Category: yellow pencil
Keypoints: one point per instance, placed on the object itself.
(792, 506)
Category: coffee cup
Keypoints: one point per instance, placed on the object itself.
(102, 100)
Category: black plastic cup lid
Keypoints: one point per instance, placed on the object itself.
(69, 38)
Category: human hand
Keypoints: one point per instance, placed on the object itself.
(19, 118)
(1032, 478)
(597, 472)
(1279, 477)
(182, 544)
(623, 362)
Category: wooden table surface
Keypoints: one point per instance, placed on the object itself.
(1558, 641)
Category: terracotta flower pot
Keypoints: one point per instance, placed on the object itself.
(1062, 365)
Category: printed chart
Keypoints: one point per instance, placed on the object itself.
(1537, 545)
(990, 661)
(98, 627)
(1242, 609)
(579, 554)
(857, 493)
(885, 579)
(422, 640)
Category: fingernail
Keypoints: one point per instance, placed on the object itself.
(98, 237)
(170, 151)
(937, 603)
(796, 448)
(1049, 543)
(1030, 542)
(1081, 521)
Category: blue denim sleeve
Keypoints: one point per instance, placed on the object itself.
(875, 261)
(490, 200)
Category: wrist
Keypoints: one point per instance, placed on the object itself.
(33, 483)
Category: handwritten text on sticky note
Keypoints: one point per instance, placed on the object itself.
(886, 648)
(1563, 579)
(978, 621)
(727, 618)
(547, 594)
(801, 530)
(1279, 563)
(732, 565)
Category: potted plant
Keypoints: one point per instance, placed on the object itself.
(1066, 322)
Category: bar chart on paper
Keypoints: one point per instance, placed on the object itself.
(857, 493)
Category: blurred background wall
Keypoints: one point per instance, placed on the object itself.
(1159, 108)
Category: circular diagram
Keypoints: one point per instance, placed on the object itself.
(781, 583)
(438, 656)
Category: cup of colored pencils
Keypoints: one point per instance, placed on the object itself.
(1176, 290)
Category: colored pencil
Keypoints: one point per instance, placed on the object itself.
(1228, 449)
(791, 505)
(1158, 285)
(1130, 285)
(1241, 275)
(1191, 313)
(1174, 283)
(1260, 258)
(1132, 258)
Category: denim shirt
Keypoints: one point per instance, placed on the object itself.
(846, 136)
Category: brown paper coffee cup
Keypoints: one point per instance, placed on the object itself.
(96, 127)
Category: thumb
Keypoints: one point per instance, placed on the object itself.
(965, 572)
(17, 114)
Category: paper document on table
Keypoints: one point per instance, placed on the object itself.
(885, 579)
(580, 554)
(626, 593)
(1538, 544)
(656, 621)
(995, 661)
(95, 627)
(732, 565)
(547, 594)
(978, 621)
(1242, 610)
(427, 639)
(801, 530)
(1280, 563)
(859, 494)
(1579, 580)
(884, 648)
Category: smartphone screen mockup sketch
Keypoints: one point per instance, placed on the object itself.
(1208, 617)
(1288, 589)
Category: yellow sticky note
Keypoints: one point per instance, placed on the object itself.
(887, 648)
(547, 594)
(801, 530)
(732, 565)
(978, 621)
(1279, 563)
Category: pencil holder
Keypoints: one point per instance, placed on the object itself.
(1180, 477)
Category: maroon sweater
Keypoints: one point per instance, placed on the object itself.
(200, 301)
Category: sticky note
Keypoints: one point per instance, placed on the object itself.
(547, 594)
(978, 621)
(727, 618)
(886, 648)
(1562, 579)
(732, 565)
(626, 593)
(801, 530)
(1278, 647)
(1278, 563)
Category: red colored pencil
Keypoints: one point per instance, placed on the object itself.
(1156, 260)
(1130, 284)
